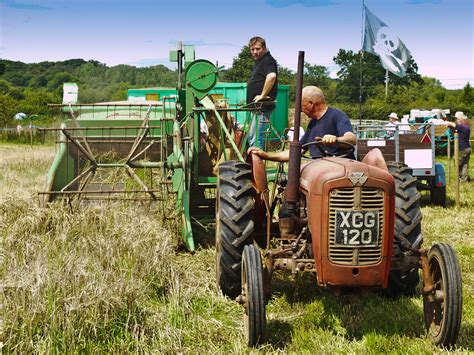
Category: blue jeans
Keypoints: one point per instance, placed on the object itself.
(263, 119)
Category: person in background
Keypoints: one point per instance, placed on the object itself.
(404, 126)
(262, 85)
(393, 120)
(291, 133)
(327, 123)
(390, 126)
(464, 131)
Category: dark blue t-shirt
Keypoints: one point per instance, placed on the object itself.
(333, 122)
(464, 134)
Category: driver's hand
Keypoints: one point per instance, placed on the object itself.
(329, 139)
(258, 98)
(255, 150)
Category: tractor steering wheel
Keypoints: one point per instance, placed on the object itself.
(346, 149)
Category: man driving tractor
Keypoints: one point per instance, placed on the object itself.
(327, 123)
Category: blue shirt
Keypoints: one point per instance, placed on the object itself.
(464, 132)
(333, 122)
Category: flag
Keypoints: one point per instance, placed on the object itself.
(380, 40)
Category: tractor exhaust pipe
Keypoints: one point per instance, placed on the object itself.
(294, 164)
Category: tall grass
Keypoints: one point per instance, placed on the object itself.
(111, 278)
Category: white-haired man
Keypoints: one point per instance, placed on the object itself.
(328, 123)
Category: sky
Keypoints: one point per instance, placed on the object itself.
(438, 33)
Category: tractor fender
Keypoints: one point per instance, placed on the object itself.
(259, 175)
(260, 184)
(440, 175)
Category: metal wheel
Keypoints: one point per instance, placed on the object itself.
(443, 305)
(253, 296)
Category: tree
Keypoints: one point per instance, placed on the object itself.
(242, 66)
(59, 79)
(467, 95)
(316, 75)
(357, 70)
(363, 70)
(8, 108)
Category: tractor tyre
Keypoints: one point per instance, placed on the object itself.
(442, 306)
(234, 223)
(407, 226)
(438, 196)
(253, 292)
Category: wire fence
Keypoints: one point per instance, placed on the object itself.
(26, 135)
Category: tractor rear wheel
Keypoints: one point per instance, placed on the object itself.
(253, 296)
(407, 226)
(234, 223)
(443, 306)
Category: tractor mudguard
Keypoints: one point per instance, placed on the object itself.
(259, 175)
(440, 175)
(260, 184)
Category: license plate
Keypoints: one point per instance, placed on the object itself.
(357, 228)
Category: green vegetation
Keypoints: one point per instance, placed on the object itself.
(29, 88)
(112, 279)
(411, 91)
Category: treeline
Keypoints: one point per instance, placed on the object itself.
(29, 88)
(360, 86)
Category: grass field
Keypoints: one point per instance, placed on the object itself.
(113, 279)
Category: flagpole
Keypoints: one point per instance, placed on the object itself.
(386, 84)
(360, 62)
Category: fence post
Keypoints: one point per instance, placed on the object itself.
(456, 165)
(449, 159)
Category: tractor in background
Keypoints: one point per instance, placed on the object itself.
(413, 145)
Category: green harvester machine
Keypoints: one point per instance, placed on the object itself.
(159, 151)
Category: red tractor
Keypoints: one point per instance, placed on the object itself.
(352, 224)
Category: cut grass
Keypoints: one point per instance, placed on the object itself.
(112, 280)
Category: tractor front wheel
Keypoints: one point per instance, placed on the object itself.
(443, 305)
(253, 296)
(234, 223)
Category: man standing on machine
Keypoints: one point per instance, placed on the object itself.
(261, 86)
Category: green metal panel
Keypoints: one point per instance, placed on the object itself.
(173, 56)
(141, 93)
(236, 95)
(61, 171)
(201, 77)
(189, 55)
(279, 117)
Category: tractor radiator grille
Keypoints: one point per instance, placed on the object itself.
(357, 198)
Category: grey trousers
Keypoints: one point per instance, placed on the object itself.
(464, 156)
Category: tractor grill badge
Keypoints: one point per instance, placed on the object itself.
(357, 178)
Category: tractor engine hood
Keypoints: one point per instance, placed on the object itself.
(336, 186)
(316, 173)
